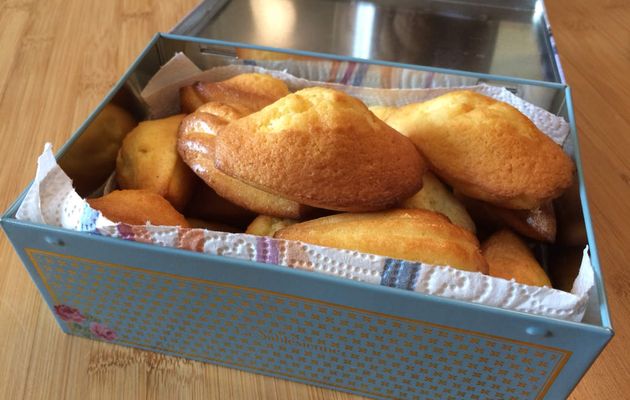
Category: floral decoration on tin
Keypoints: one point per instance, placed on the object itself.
(84, 325)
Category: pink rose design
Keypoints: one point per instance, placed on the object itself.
(102, 331)
(69, 314)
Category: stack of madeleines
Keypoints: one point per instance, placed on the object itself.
(421, 182)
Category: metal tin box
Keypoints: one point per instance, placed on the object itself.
(370, 340)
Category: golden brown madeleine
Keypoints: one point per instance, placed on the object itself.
(434, 196)
(415, 235)
(509, 258)
(196, 145)
(264, 225)
(228, 112)
(200, 122)
(486, 149)
(138, 207)
(148, 159)
(92, 157)
(251, 91)
(190, 99)
(538, 223)
(323, 148)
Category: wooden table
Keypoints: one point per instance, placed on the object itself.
(58, 59)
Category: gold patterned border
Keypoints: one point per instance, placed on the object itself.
(566, 354)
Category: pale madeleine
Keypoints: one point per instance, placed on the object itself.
(148, 159)
(509, 258)
(434, 196)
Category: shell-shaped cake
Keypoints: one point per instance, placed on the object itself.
(196, 145)
(509, 258)
(246, 92)
(414, 235)
(138, 207)
(323, 148)
(486, 149)
(148, 160)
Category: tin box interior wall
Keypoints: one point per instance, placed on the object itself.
(469, 35)
(209, 53)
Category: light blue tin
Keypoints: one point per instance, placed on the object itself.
(374, 341)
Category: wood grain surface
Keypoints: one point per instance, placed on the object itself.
(59, 58)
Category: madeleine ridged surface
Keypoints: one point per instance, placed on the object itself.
(509, 258)
(486, 149)
(415, 235)
(323, 148)
(245, 91)
(196, 145)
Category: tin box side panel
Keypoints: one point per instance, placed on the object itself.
(366, 339)
(19, 237)
(172, 41)
(599, 279)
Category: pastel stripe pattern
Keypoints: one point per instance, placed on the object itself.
(348, 74)
(266, 250)
(360, 74)
(332, 75)
(400, 274)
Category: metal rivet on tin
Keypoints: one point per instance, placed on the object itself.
(538, 331)
(54, 241)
